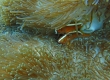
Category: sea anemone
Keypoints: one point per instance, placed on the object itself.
(52, 14)
(95, 24)
(33, 52)
(40, 57)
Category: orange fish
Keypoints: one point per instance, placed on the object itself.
(68, 37)
(70, 33)
(67, 29)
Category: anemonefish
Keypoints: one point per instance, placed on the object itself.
(69, 33)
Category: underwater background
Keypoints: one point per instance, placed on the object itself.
(29, 48)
